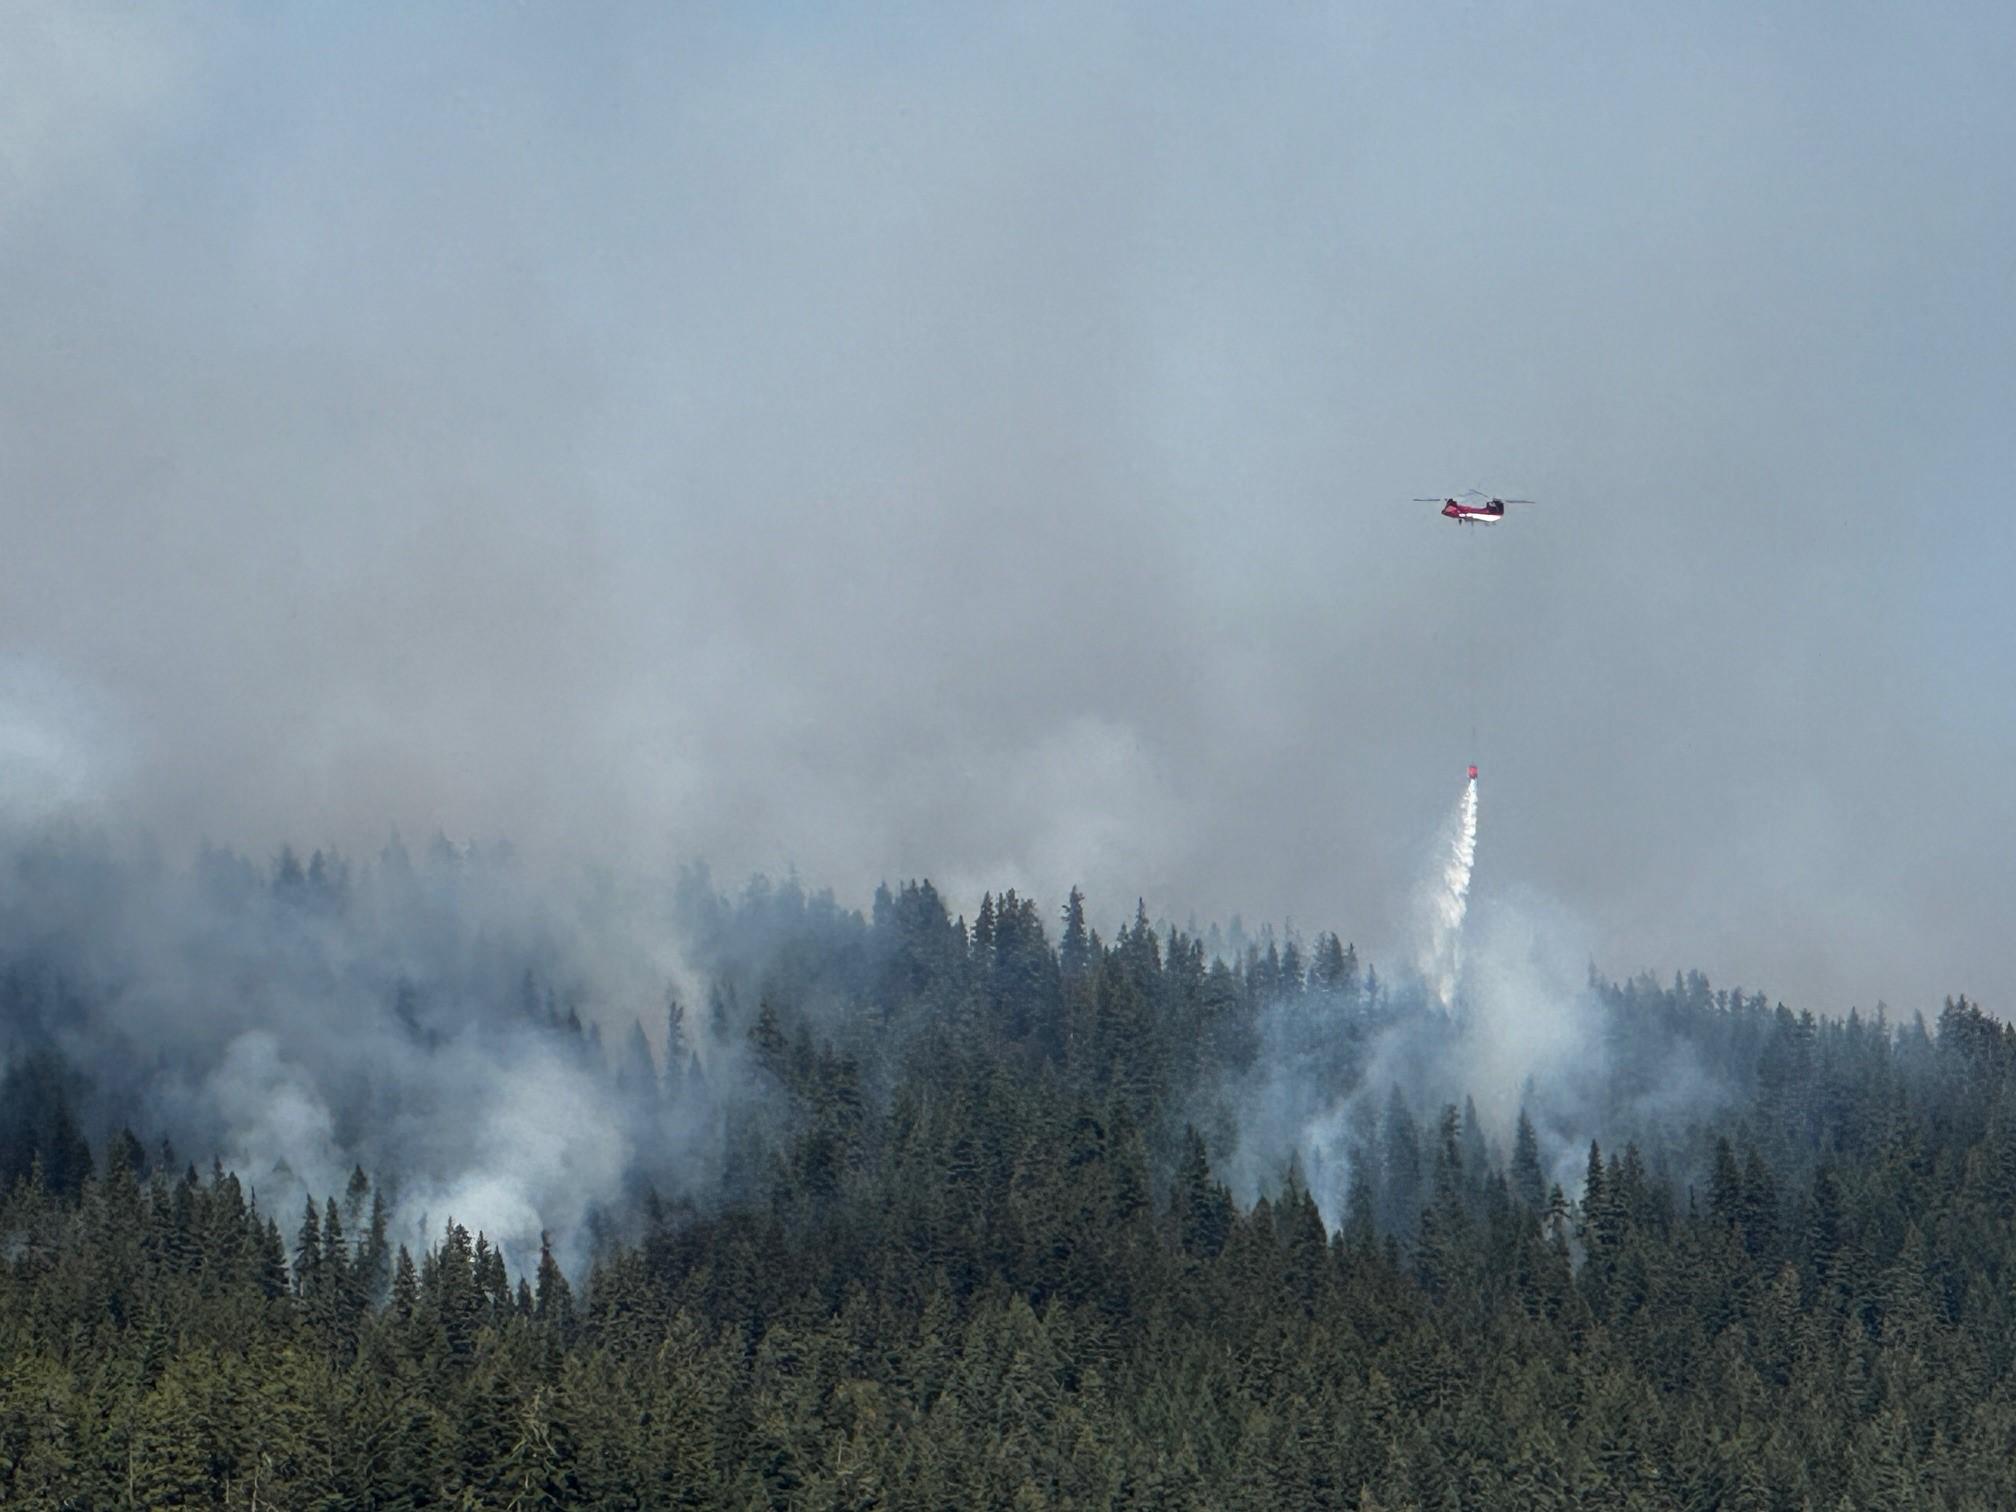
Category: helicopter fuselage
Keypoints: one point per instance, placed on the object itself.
(1463, 514)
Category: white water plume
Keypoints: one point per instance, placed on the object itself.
(1448, 899)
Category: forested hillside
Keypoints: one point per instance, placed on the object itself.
(927, 1213)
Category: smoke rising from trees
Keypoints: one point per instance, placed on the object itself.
(439, 1020)
(531, 1055)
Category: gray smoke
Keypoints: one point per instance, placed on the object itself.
(974, 442)
(492, 1046)
(1501, 1016)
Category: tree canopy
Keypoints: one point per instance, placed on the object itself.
(952, 1226)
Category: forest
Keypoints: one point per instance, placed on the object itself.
(912, 1211)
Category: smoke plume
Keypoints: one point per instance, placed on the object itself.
(504, 1048)
(1501, 1018)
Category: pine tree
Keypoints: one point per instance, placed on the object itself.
(1202, 1208)
(405, 1287)
(1400, 1165)
(1075, 951)
(1528, 1184)
(678, 1048)
(309, 1257)
(555, 1299)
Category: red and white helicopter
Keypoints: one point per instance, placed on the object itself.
(1481, 510)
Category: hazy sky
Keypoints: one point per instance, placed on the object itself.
(975, 442)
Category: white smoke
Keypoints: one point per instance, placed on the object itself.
(1447, 900)
(407, 1017)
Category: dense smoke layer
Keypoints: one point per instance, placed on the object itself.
(975, 441)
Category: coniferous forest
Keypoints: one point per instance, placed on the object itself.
(935, 1213)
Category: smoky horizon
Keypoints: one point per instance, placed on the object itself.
(981, 445)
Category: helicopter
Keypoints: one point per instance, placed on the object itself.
(1482, 510)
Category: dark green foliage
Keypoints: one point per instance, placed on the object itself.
(979, 1250)
(38, 1127)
